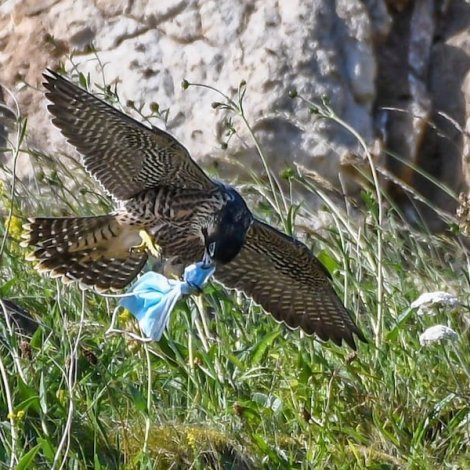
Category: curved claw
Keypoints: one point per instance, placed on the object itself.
(148, 243)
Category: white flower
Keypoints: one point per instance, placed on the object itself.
(429, 299)
(437, 333)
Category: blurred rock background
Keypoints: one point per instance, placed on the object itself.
(395, 70)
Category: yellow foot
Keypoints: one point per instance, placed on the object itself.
(148, 244)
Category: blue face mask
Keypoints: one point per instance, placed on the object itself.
(155, 296)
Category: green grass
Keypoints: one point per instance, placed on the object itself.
(227, 387)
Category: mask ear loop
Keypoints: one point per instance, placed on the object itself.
(112, 330)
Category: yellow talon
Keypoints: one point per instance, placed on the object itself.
(149, 244)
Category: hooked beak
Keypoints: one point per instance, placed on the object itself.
(208, 255)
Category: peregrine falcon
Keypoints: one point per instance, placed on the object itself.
(161, 190)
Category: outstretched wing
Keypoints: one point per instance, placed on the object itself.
(125, 156)
(281, 274)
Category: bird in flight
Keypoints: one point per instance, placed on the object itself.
(160, 189)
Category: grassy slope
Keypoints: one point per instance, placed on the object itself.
(227, 386)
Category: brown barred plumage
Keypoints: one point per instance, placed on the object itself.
(162, 190)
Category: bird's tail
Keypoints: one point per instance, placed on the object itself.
(96, 251)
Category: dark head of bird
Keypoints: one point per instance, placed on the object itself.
(225, 237)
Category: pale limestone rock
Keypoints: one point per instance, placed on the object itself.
(148, 48)
(319, 47)
(364, 55)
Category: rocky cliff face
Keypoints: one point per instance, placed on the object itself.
(391, 69)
